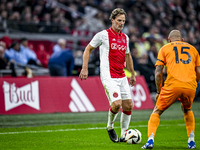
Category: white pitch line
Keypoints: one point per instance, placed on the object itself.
(96, 128)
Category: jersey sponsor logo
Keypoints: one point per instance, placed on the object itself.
(15, 96)
(138, 95)
(116, 46)
(79, 102)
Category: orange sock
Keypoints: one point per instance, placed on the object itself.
(189, 122)
(153, 124)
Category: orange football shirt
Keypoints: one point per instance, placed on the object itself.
(180, 59)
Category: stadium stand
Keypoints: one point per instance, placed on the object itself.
(148, 23)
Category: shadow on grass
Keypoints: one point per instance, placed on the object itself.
(168, 147)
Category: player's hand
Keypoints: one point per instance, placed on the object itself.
(132, 80)
(83, 74)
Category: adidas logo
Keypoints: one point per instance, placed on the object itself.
(114, 39)
(79, 102)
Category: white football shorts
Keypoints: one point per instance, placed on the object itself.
(117, 89)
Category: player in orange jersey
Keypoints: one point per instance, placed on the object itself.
(183, 72)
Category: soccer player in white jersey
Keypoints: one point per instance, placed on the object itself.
(114, 55)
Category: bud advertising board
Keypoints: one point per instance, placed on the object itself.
(61, 94)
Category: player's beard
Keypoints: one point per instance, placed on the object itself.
(118, 27)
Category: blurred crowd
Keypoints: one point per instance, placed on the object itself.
(148, 24)
(152, 16)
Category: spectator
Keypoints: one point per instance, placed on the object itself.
(146, 67)
(61, 63)
(4, 63)
(26, 10)
(152, 58)
(3, 15)
(37, 10)
(15, 54)
(2, 43)
(20, 55)
(3, 60)
(2, 6)
(61, 44)
(134, 54)
(78, 61)
(14, 20)
(135, 42)
(152, 55)
(9, 7)
(7, 41)
(46, 24)
(28, 24)
(31, 55)
(153, 35)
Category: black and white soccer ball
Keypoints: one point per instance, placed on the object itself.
(133, 136)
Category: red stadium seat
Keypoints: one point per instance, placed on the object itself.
(51, 48)
(31, 46)
(42, 54)
(40, 51)
(7, 40)
(41, 47)
(44, 59)
(83, 44)
(70, 44)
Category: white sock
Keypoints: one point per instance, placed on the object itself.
(111, 120)
(191, 137)
(151, 137)
(125, 120)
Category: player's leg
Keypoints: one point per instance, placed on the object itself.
(187, 100)
(113, 93)
(153, 124)
(127, 107)
(190, 127)
(164, 101)
(112, 113)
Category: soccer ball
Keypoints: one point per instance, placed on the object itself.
(133, 136)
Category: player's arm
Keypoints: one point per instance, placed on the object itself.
(198, 73)
(86, 56)
(129, 65)
(159, 77)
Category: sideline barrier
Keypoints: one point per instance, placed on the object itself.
(61, 94)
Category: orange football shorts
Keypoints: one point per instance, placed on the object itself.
(168, 96)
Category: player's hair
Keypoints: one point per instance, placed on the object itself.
(13, 44)
(61, 40)
(116, 12)
(23, 39)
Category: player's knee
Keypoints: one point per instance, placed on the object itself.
(116, 105)
(127, 105)
(184, 109)
(157, 111)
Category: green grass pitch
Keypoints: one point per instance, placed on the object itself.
(87, 131)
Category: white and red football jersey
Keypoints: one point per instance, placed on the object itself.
(113, 47)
